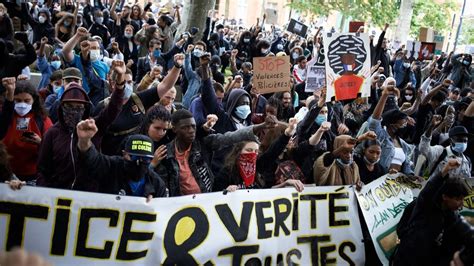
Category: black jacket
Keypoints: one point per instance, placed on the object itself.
(113, 174)
(143, 64)
(382, 55)
(428, 226)
(40, 30)
(199, 158)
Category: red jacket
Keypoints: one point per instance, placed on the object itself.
(24, 155)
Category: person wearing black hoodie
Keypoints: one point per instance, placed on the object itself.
(58, 159)
(126, 175)
(13, 63)
(434, 227)
(380, 52)
(42, 26)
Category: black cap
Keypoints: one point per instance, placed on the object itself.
(392, 116)
(459, 131)
(139, 145)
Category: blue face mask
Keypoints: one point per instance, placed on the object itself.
(459, 147)
(320, 119)
(56, 64)
(242, 111)
(156, 53)
(466, 63)
(57, 89)
(127, 91)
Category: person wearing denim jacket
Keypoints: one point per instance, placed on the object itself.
(393, 120)
(194, 80)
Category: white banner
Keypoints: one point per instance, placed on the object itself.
(319, 226)
(382, 203)
(347, 66)
(468, 206)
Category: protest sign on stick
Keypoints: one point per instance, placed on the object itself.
(347, 66)
(297, 28)
(271, 74)
(355, 25)
(315, 78)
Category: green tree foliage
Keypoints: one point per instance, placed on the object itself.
(429, 14)
(467, 32)
(376, 12)
(312, 7)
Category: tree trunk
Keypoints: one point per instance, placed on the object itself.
(194, 15)
(403, 27)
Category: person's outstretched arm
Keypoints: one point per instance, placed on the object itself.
(68, 53)
(172, 76)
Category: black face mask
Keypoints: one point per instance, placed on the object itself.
(401, 131)
(135, 171)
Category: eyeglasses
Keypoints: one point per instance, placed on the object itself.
(142, 159)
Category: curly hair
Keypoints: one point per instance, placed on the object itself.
(156, 112)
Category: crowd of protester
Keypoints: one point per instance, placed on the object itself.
(112, 74)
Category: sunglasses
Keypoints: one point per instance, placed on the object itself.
(142, 159)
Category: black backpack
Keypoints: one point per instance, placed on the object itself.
(404, 225)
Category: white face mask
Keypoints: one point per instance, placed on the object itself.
(99, 20)
(22, 108)
(197, 52)
(127, 91)
(94, 55)
(41, 19)
(295, 55)
(408, 97)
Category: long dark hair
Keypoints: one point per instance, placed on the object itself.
(23, 86)
(132, 16)
(230, 165)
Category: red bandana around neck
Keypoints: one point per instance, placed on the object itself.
(247, 167)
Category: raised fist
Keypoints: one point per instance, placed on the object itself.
(86, 129)
(82, 32)
(190, 48)
(179, 59)
(119, 66)
(9, 84)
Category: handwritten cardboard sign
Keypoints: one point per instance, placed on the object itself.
(271, 74)
(382, 202)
